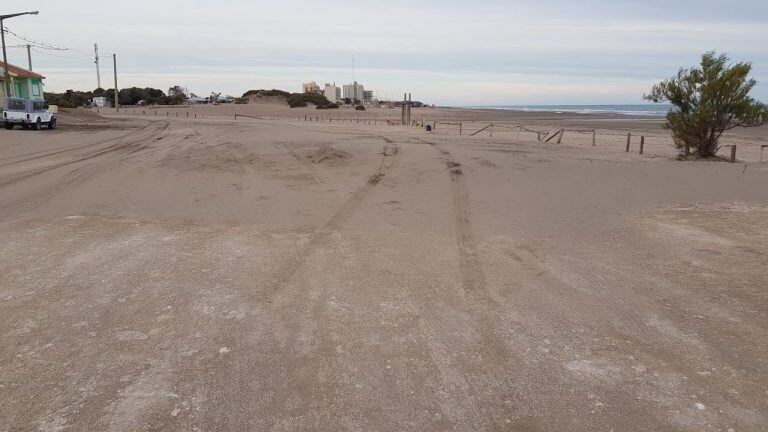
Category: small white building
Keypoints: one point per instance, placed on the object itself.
(101, 102)
(332, 93)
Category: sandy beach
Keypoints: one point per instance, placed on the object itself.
(161, 270)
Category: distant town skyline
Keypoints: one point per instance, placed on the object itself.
(447, 52)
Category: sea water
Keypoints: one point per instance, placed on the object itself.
(654, 110)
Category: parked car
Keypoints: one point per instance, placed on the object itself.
(28, 113)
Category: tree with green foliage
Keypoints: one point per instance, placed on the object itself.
(707, 101)
(176, 96)
(296, 100)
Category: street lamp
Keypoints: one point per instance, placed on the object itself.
(6, 76)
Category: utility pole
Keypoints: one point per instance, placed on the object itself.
(29, 56)
(6, 75)
(114, 61)
(98, 72)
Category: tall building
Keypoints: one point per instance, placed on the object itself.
(332, 93)
(368, 96)
(354, 92)
(311, 87)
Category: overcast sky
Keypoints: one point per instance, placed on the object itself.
(447, 52)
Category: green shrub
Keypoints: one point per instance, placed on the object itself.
(273, 92)
(302, 99)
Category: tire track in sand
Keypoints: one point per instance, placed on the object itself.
(286, 319)
(14, 160)
(472, 275)
(79, 173)
(473, 278)
(122, 142)
(292, 264)
(483, 317)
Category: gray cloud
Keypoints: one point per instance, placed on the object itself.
(452, 52)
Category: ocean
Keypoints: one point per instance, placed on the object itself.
(656, 110)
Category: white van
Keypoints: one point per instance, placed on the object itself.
(28, 113)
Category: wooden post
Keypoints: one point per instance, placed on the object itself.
(560, 138)
(594, 138)
(629, 140)
(519, 129)
(733, 153)
(461, 126)
(762, 148)
(491, 130)
(642, 144)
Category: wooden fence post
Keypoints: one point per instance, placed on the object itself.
(461, 126)
(560, 138)
(642, 144)
(733, 153)
(762, 148)
(629, 140)
(594, 138)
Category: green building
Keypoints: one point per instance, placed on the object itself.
(24, 83)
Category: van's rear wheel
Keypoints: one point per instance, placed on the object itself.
(8, 126)
(52, 123)
(38, 124)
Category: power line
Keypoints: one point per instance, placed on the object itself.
(43, 45)
(59, 56)
(39, 44)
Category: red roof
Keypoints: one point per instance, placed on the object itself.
(18, 72)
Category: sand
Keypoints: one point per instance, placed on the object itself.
(164, 273)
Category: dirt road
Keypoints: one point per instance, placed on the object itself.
(206, 274)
